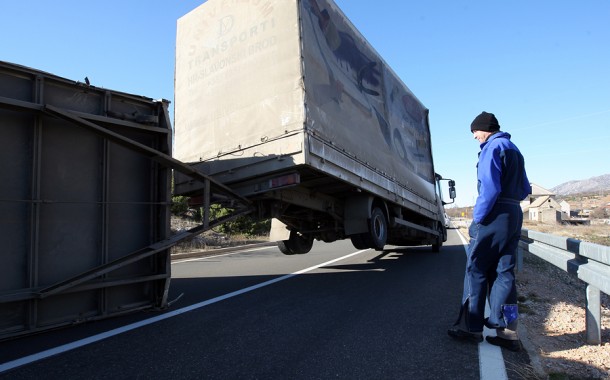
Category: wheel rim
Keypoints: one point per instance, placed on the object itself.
(378, 233)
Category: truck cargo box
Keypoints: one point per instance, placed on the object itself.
(79, 214)
(265, 88)
(293, 78)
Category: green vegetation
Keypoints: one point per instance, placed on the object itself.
(179, 205)
(244, 225)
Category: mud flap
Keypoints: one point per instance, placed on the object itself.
(279, 231)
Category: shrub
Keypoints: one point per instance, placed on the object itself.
(246, 225)
(179, 205)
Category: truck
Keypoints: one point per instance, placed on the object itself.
(287, 104)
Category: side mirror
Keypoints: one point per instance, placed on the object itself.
(451, 183)
(452, 189)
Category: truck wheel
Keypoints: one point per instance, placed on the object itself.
(296, 244)
(378, 230)
(358, 241)
(284, 247)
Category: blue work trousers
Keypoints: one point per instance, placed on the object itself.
(490, 267)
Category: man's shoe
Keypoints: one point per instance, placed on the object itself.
(512, 345)
(459, 334)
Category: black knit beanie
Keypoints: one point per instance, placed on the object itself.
(485, 122)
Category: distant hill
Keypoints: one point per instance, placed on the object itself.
(591, 185)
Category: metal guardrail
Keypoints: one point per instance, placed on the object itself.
(587, 261)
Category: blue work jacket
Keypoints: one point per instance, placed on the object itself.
(500, 175)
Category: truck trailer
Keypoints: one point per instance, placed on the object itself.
(287, 104)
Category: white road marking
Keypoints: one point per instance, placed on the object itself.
(491, 360)
(108, 334)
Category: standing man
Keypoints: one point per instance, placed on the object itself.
(494, 235)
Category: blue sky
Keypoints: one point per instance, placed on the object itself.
(543, 67)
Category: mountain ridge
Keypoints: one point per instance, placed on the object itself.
(590, 185)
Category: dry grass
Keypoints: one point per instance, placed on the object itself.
(598, 234)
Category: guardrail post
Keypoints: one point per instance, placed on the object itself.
(594, 315)
(519, 264)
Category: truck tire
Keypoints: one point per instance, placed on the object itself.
(378, 230)
(284, 248)
(358, 242)
(296, 244)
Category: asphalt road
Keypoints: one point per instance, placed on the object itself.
(259, 314)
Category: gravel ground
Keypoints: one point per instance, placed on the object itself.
(553, 319)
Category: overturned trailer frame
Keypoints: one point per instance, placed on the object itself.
(85, 195)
